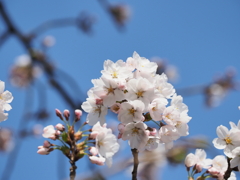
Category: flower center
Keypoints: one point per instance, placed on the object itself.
(228, 140)
(114, 74)
(139, 94)
(135, 131)
(132, 111)
(110, 90)
(100, 143)
(98, 110)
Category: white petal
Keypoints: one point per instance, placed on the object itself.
(219, 143)
(222, 132)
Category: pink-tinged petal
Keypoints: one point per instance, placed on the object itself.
(222, 132)
(219, 143)
(190, 160)
(201, 154)
(207, 163)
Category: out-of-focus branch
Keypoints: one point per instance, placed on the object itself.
(119, 13)
(57, 23)
(38, 58)
(135, 163)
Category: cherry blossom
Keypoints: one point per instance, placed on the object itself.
(107, 145)
(49, 132)
(140, 89)
(156, 108)
(5, 98)
(227, 140)
(135, 133)
(235, 162)
(219, 167)
(131, 111)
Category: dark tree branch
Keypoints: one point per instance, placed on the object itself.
(135, 163)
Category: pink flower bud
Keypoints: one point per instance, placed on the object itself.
(97, 160)
(119, 135)
(42, 150)
(121, 128)
(78, 114)
(49, 132)
(46, 144)
(59, 114)
(153, 132)
(147, 132)
(57, 133)
(93, 134)
(122, 85)
(66, 114)
(60, 127)
(93, 151)
(190, 160)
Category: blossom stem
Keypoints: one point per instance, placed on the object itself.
(82, 126)
(229, 170)
(72, 158)
(135, 163)
(63, 142)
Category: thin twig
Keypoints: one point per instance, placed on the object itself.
(135, 163)
(56, 23)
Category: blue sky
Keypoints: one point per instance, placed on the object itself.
(201, 38)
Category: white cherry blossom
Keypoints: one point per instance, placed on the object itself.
(135, 133)
(140, 89)
(107, 145)
(227, 140)
(152, 143)
(219, 167)
(157, 107)
(108, 91)
(131, 112)
(5, 98)
(167, 135)
(201, 160)
(162, 87)
(96, 111)
(235, 162)
(49, 132)
(141, 64)
(116, 71)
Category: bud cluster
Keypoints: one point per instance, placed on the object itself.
(98, 143)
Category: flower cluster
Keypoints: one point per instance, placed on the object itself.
(105, 143)
(216, 167)
(134, 91)
(229, 141)
(221, 166)
(5, 98)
